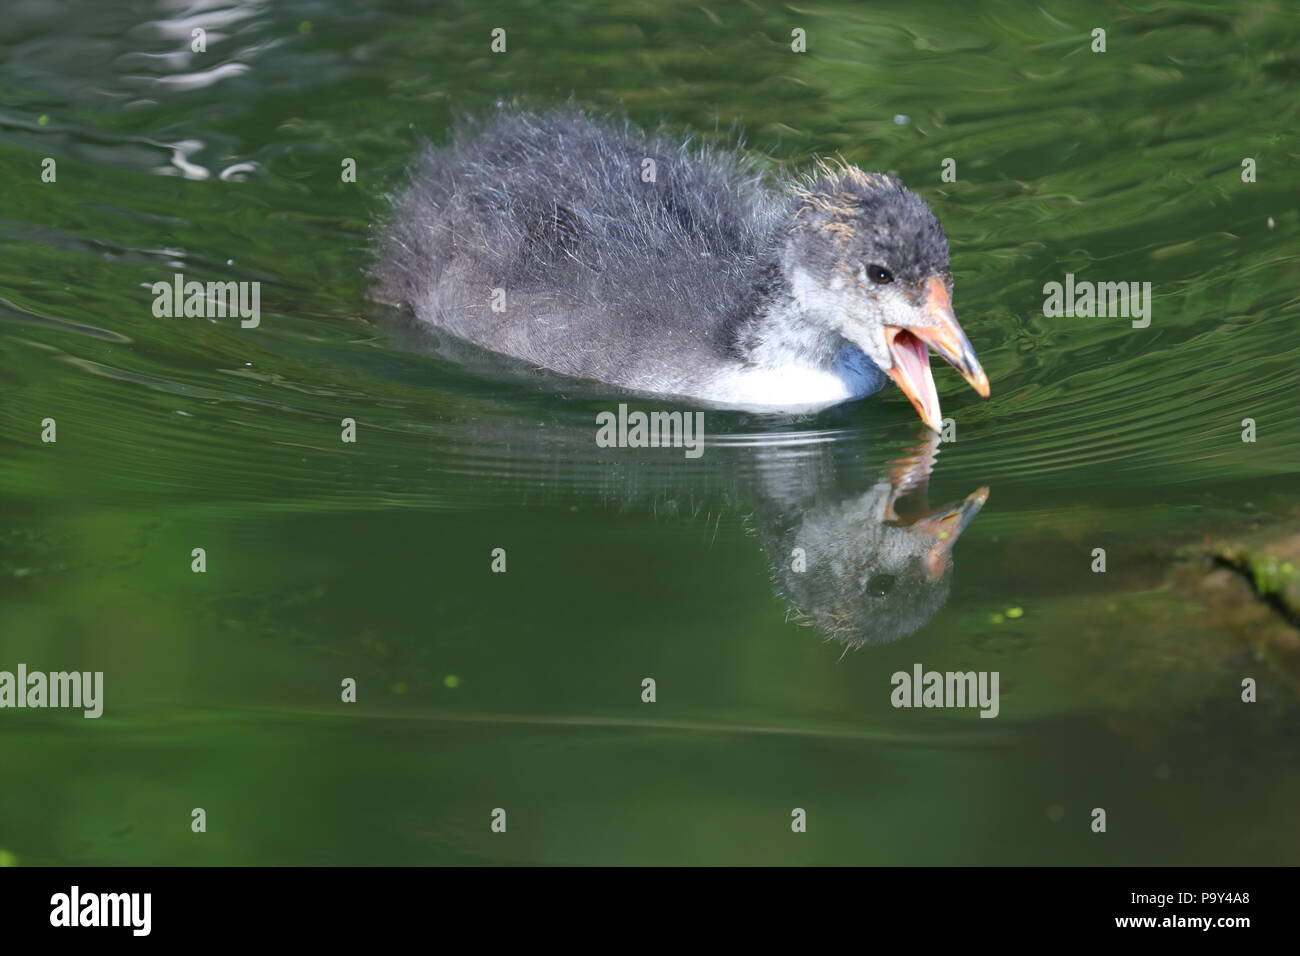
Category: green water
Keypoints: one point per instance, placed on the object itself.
(522, 690)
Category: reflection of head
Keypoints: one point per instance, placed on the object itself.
(864, 581)
(855, 571)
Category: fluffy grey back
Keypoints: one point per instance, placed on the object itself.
(599, 267)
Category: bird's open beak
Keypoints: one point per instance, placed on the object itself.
(908, 348)
(943, 525)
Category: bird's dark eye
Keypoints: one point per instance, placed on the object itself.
(879, 274)
(880, 585)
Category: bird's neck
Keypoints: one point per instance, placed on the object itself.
(774, 328)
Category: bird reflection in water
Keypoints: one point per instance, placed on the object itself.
(851, 546)
(852, 567)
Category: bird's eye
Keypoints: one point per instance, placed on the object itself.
(879, 274)
(880, 585)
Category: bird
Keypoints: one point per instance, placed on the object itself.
(660, 266)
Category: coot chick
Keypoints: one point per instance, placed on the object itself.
(588, 248)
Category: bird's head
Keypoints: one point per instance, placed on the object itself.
(867, 257)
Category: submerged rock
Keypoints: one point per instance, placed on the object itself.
(1273, 569)
(1251, 586)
